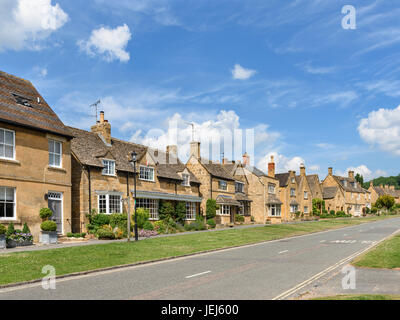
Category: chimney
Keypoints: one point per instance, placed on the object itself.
(225, 161)
(271, 168)
(351, 174)
(195, 149)
(330, 171)
(103, 128)
(302, 170)
(246, 159)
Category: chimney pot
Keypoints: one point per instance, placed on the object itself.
(330, 171)
(101, 116)
(103, 127)
(302, 169)
(351, 174)
(271, 168)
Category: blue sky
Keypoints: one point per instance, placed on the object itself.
(312, 91)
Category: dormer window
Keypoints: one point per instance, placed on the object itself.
(186, 180)
(146, 173)
(109, 167)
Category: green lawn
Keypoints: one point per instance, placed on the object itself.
(23, 266)
(361, 297)
(386, 255)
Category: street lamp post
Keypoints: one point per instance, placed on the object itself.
(134, 160)
(128, 202)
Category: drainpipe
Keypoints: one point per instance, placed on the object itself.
(265, 213)
(90, 189)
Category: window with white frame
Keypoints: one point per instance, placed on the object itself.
(7, 144)
(305, 195)
(186, 181)
(222, 185)
(109, 203)
(239, 187)
(275, 210)
(271, 188)
(293, 180)
(149, 204)
(109, 167)
(146, 173)
(294, 208)
(292, 192)
(305, 209)
(190, 211)
(55, 153)
(224, 210)
(7, 203)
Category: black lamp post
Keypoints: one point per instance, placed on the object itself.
(134, 160)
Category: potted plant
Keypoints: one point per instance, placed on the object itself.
(3, 231)
(49, 232)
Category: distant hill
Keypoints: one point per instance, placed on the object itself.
(392, 181)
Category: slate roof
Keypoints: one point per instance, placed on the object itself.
(242, 197)
(227, 200)
(19, 105)
(329, 192)
(283, 178)
(314, 183)
(273, 200)
(217, 170)
(90, 149)
(349, 187)
(383, 191)
(256, 171)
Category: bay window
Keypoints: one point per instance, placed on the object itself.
(109, 203)
(149, 204)
(274, 210)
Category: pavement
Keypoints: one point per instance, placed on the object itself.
(281, 269)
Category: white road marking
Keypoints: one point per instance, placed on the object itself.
(197, 274)
(283, 251)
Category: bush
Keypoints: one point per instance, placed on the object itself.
(239, 218)
(148, 226)
(180, 212)
(143, 215)
(119, 220)
(48, 226)
(374, 210)
(83, 234)
(166, 211)
(10, 229)
(211, 208)
(160, 226)
(70, 235)
(385, 202)
(211, 223)
(45, 213)
(196, 226)
(332, 212)
(105, 234)
(100, 219)
(26, 229)
(3, 229)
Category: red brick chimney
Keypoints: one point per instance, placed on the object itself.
(271, 168)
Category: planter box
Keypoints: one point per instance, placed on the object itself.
(2, 241)
(48, 237)
(14, 244)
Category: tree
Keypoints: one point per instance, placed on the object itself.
(180, 212)
(166, 210)
(385, 202)
(318, 206)
(211, 209)
(360, 179)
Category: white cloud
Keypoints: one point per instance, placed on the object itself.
(318, 70)
(240, 73)
(282, 163)
(109, 43)
(363, 170)
(24, 24)
(382, 128)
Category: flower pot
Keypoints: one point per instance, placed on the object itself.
(48, 237)
(2, 241)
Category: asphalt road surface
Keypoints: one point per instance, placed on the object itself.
(273, 270)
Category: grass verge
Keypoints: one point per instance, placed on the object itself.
(386, 255)
(25, 266)
(361, 297)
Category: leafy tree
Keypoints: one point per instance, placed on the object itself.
(166, 210)
(385, 202)
(360, 179)
(180, 212)
(211, 209)
(318, 205)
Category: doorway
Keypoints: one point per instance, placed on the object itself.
(55, 203)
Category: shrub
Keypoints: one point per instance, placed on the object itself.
(332, 212)
(211, 223)
(100, 220)
(166, 211)
(48, 226)
(10, 229)
(239, 218)
(26, 229)
(374, 210)
(104, 234)
(119, 220)
(196, 226)
(143, 215)
(3, 229)
(180, 212)
(160, 226)
(70, 234)
(83, 234)
(385, 202)
(148, 226)
(211, 208)
(45, 213)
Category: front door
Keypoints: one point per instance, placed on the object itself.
(55, 203)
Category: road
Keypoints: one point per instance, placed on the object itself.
(271, 270)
